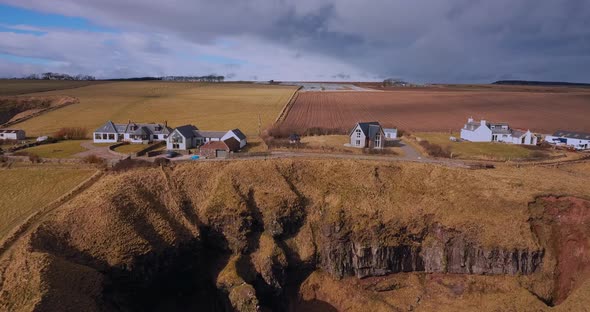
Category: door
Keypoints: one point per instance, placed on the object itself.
(220, 154)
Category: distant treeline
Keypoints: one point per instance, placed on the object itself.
(58, 76)
(540, 83)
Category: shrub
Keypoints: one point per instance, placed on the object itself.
(435, 150)
(129, 164)
(93, 159)
(8, 142)
(34, 158)
(161, 161)
(76, 133)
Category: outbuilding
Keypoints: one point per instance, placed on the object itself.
(12, 134)
(219, 149)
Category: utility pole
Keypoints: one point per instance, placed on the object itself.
(259, 124)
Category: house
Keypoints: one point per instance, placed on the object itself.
(236, 134)
(183, 138)
(577, 140)
(390, 134)
(367, 135)
(12, 134)
(188, 137)
(483, 131)
(141, 133)
(219, 149)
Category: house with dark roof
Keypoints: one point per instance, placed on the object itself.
(132, 132)
(484, 131)
(12, 134)
(236, 134)
(367, 135)
(574, 139)
(190, 137)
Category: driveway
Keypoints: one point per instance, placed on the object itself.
(99, 151)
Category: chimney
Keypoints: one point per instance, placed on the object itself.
(128, 121)
(470, 119)
(483, 122)
(165, 123)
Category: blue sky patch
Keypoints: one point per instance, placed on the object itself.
(10, 15)
(25, 60)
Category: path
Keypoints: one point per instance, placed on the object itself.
(99, 151)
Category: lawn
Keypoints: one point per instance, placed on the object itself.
(335, 143)
(27, 189)
(131, 148)
(478, 150)
(62, 149)
(208, 106)
(16, 87)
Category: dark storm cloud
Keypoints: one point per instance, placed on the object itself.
(426, 41)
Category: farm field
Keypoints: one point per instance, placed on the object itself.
(208, 106)
(27, 189)
(16, 87)
(426, 110)
(63, 149)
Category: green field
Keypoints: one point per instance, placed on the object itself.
(16, 87)
(208, 106)
(27, 189)
(63, 149)
(477, 150)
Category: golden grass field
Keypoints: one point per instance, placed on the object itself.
(208, 106)
(62, 149)
(16, 87)
(27, 189)
(477, 150)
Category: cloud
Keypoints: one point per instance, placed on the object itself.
(425, 41)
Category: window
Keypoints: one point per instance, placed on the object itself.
(97, 136)
(378, 140)
(111, 136)
(155, 136)
(358, 133)
(104, 136)
(175, 146)
(358, 142)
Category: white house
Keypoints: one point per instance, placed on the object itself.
(577, 140)
(483, 131)
(390, 134)
(183, 138)
(12, 134)
(131, 132)
(236, 134)
(367, 135)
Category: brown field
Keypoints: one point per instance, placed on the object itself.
(432, 110)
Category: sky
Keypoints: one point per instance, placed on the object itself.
(424, 41)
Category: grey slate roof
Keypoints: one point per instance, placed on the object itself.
(188, 131)
(518, 133)
(369, 129)
(572, 135)
(239, 134)
(134, 128)
(211, 134)
(472, 126)
(9, 131)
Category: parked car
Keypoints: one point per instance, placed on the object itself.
(171, 154)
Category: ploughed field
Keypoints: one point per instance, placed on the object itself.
(432, 110)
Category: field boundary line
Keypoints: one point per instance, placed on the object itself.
(287, 107)
(37, 216)
(39, 113)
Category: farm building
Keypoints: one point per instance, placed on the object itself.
(236, 134)
(12, 134)
(483, 131)
(188, 137)
(390, 134)
(367, 135)
(131, 132)
(577, 140)
(219, 149)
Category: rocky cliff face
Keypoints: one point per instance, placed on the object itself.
(438, 250)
